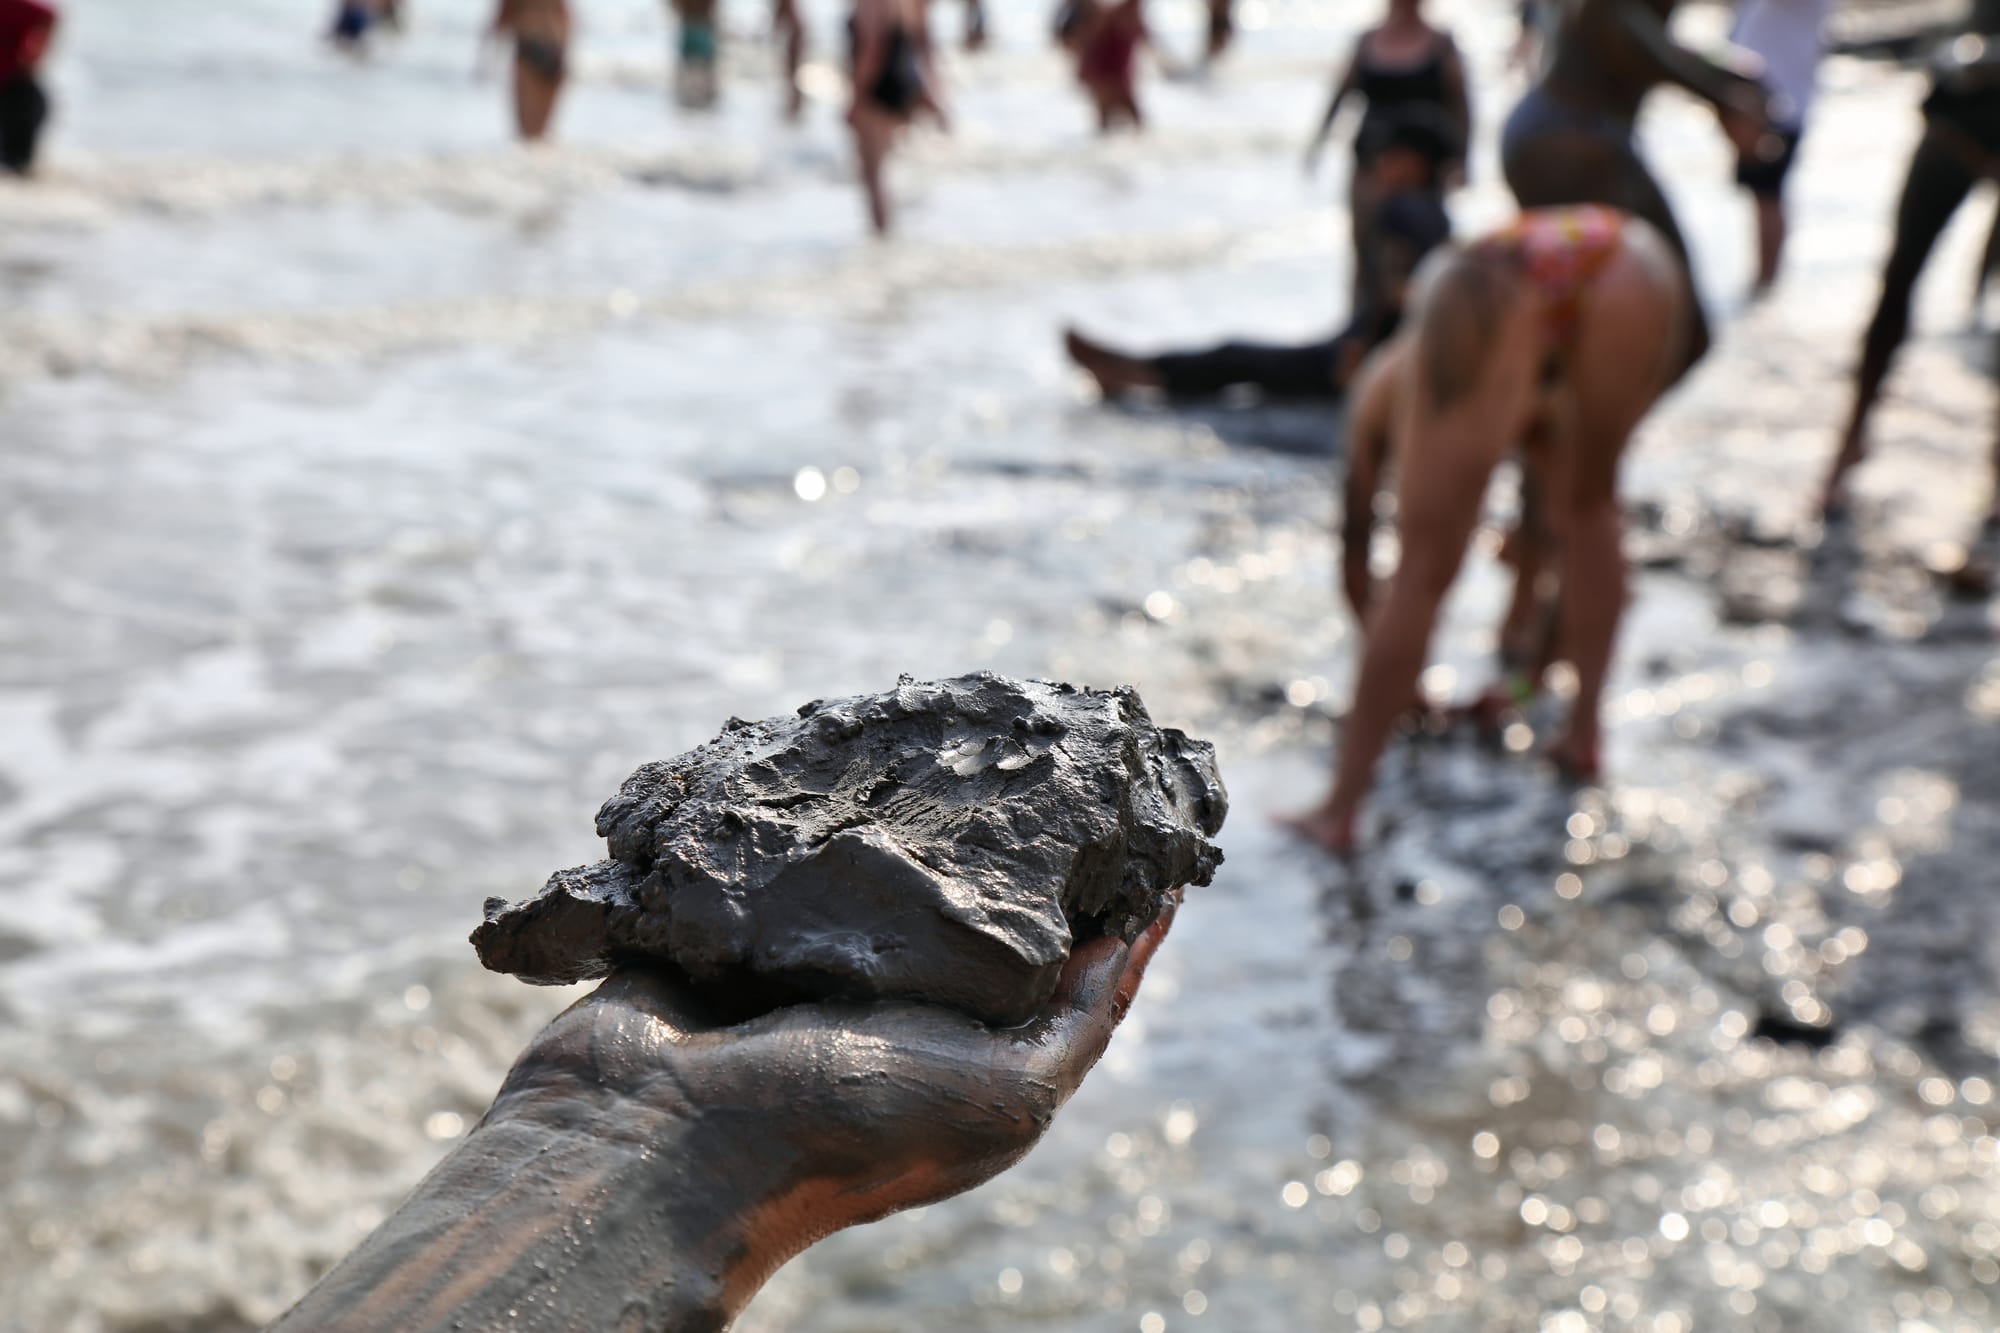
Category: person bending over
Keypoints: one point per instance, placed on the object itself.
(1554, 336)
(1960, 147)
(1570, 139)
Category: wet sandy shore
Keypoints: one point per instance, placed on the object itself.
(333, 602)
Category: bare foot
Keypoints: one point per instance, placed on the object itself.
(1490, 713)
(1973, 580)
(1116, 374)
(1576, 762)
(1323, 828)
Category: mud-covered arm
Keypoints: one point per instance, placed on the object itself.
(548, 1217)
(647, 1167)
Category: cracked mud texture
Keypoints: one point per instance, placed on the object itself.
(947, 841)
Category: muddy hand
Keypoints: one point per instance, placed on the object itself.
(840, 1113)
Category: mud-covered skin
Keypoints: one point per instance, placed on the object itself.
(946, 841)
(648, 1166)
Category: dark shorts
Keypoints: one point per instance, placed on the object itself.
(23, 109)
(351, 23)
(1764, 175)
(545, 59)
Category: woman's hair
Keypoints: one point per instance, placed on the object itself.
(1464, 300)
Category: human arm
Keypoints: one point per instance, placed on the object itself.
(645, 1166)
(1369, 426)
(1730, 93)
(927, 71)
(1457, 105)
(1341, 92)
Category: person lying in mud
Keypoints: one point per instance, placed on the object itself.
(540, 30)
(1570, 139)
(1409, 222)
(1555, 334)
(1960, 147)
(645, 1166)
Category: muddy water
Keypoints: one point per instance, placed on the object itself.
(376, 498)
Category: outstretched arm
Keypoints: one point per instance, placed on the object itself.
(1728, 92)
(645, 1166)
(1341, 92)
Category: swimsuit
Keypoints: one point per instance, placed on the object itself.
(900, 86)
(542, 55)
(1108, 57)
(698, 44)
(351, 24)
(1393, 93)
(1561, 252)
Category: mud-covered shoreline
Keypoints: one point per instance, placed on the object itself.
(322, 624)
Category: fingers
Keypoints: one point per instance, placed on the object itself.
(1096, 989)
(1141, 954)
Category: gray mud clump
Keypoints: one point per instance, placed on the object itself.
(948, 841)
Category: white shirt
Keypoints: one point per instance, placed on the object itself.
(1786, 33)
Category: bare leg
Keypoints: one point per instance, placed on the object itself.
(1937, 184)
(1449, 451)
(1770, 240)
(1116, 373)
(534, 101)
(1988, 262)
(873, 133)
(790, 31)
(1626, 353)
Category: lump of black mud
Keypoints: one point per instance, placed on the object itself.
(948, 841)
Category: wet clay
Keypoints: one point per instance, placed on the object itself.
(947, 841)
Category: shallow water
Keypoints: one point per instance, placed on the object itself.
(376, 497)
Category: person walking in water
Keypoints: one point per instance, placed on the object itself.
(1401, 66)
(1570, 139)
(1960, 147)
(1108, 37)
(788, 31)
(697, 46)
(1555, 334)
(893, 80)
(26, 27)
(1786, 35)
(540, 30)
(354, 20)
